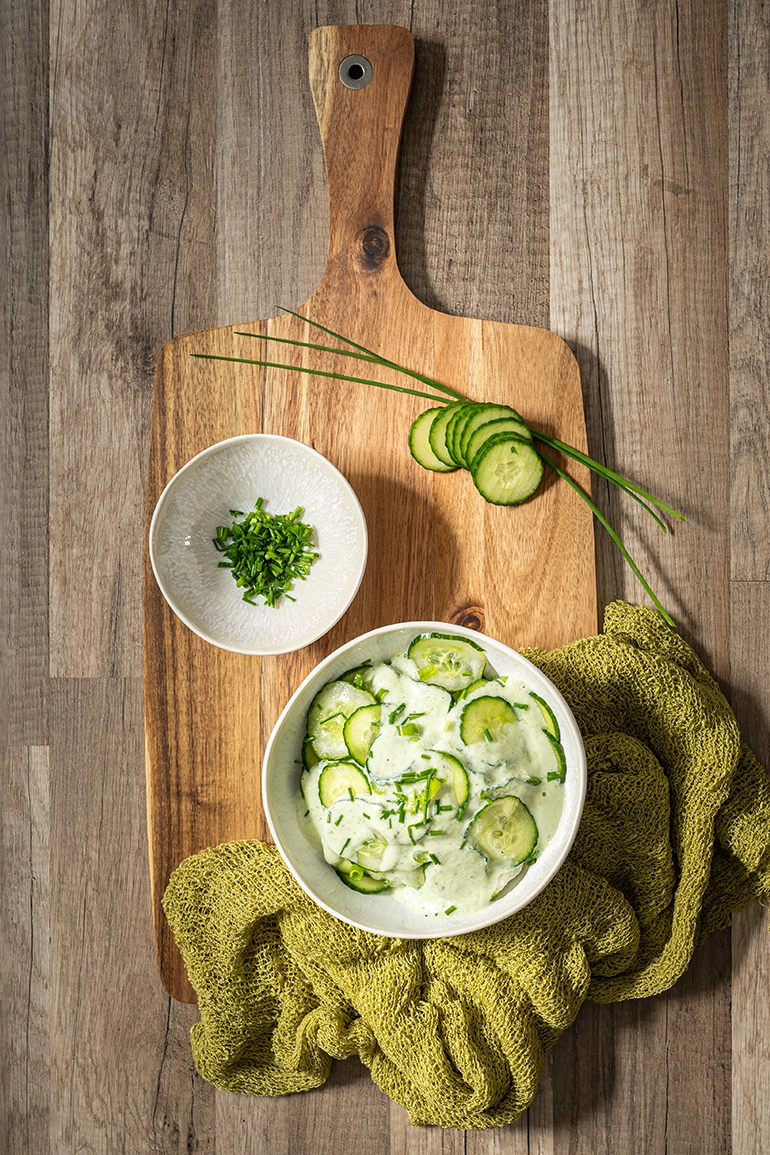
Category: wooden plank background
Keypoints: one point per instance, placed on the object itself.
(600, 168)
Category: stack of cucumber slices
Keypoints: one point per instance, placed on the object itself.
(430, 777)
(491, 441)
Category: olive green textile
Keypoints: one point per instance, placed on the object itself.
(675, 836)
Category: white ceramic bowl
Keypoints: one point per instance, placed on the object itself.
(382, 913)
(233, 474)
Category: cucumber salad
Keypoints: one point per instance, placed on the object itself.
(431, 778)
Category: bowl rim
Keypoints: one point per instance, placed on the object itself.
(210, 451)
(567, 831)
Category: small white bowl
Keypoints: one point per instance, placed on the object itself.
(382, 913)
(233, 474)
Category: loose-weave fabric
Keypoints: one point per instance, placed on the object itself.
(675, 836)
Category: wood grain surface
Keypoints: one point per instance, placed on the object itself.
(436, 551)
(595, 168)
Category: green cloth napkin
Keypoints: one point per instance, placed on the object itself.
(675, 836)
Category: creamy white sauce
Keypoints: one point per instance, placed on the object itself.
(421, 844)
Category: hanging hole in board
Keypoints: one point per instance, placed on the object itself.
(355, 72)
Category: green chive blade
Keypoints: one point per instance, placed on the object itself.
(603, 521)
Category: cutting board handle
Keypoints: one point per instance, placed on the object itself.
(360, 130)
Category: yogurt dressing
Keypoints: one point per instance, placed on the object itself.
(410, 829)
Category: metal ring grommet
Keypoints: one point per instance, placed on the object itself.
(355, 72)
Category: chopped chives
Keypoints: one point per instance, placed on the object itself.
(266, 552)
(450, 910)
(415, 776)
(339, 820)
(346, 843)
(407, 729)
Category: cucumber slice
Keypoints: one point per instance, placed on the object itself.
(360, 730)
(485, 412)
(329, 738)
(507, 470)
(447, 661)
(370, 854)
(338, 779)
(364, 884)
(471, 417)
(419, 442)
(493, 429)
(452, 770)
(309, 756)
(438, 431)
(551, 724)
(561, 760)
(473, 686)
(359, 676)
(326, 717)
(486, 716)
(504, 831)
(455, 427)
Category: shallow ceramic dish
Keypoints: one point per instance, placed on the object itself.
(382, 913)
(233, 474)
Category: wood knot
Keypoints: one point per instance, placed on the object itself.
(470, 616)
(375, 246)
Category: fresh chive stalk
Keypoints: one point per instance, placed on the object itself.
(315, 373)
(603, 521)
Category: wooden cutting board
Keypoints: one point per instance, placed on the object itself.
(437, 551)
